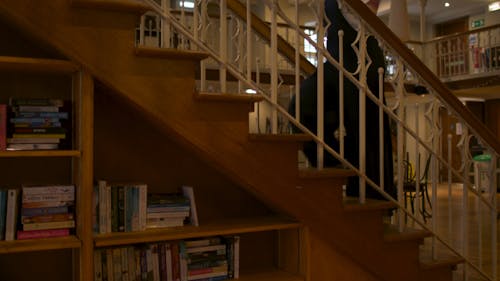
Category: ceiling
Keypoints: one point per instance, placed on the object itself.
(435, 10)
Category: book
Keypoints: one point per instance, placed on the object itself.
(31, 198)
(27, 212)
(34, 135)
(13, 101)
(124, 261)
(175, 214)
(60, 115)
(33, 140)
(47, 189)
(200, 271)
(102, 206)
(49, 225)
(43, 204)
(236, 257)
(98, 265)
(34, 120)
(31, 130)
(117, 263)
(3, 211)
(32, 146)
(36, 108)
(3, 126)
(44, 233)
(11, 214)
(159, 223)
(220, 248)
(189, 193)
(47, 218)
(37, 124)
(207, 275)
(202, 242)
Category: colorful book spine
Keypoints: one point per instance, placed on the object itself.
(11, 214)
(44, 211)
(49, 225)
(3, 126)
(60, 115)
(3, 211)
(33, 135)
(33, 140)
(34, 120)
(36, 108)
(47, 218)
(30, 198)
(44, 204)
(45, 233)
(189, 193)
(13, 101)
(48, 189)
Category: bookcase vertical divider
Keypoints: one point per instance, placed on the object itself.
(85, 140)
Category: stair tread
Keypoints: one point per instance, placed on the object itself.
(131, 6)
(352, 204)
(169, 53)
(392, 234)
(313, 173)
(451, 261)
(223, 97)
(281, 137)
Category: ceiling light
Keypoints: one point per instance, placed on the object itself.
(250, 91)
(187, 4)
(447, 4)
(494, 6)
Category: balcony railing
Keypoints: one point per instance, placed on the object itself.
(243, 48)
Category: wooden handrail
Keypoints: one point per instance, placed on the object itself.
(383, 32)
(458, 34)
(263, 29)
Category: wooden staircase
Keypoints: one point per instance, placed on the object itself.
(347, 240)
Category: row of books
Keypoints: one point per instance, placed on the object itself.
(34, 124)
(37, 212)
(125, 207)
(211, 259)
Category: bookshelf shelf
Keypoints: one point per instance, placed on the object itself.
(24, 64)
(40, 153)
(32, 245)
(222, 227)
(270, 275)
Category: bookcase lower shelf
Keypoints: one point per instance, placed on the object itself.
(222, 227)
(271, 275)
(44, 244)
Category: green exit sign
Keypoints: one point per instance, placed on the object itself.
(477, 23)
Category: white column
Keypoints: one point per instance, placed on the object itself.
(399, 21)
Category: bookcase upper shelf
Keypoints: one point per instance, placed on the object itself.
(40, 153)
(220, 227)
(24, 64)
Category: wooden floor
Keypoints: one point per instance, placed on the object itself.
(452, 217)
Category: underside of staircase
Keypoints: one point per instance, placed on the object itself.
(347, 241)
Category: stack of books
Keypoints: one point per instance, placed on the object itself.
(210, 258)
(167, 210)
(120, 207)
(46, 211)
(37, 124)
(215, 258)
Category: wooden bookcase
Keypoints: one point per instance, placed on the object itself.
(28, 77)
(114, 140)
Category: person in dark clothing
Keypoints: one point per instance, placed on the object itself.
(308, 103)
